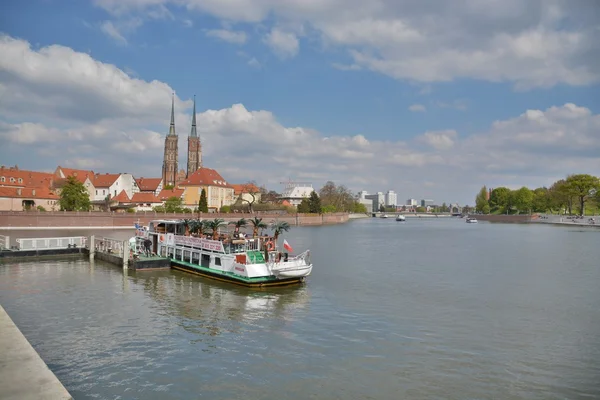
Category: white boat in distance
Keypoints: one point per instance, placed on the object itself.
(471, 220)
(383, 216)
(400, 218)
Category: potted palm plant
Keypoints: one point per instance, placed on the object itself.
(279, 227)
(215, 225)
(256, 225)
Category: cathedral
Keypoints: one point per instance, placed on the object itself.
(170, 174)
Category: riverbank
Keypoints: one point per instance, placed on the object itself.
(539, 219)
(23, 373)
(34, 220)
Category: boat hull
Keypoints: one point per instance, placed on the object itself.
(236, 279)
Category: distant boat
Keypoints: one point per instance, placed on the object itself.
(400, 218)
(471, 220)
(383, 216)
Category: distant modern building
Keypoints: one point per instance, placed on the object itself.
(426, 202)
(362, 194)
(391, 199)
(411, 202)
(377, 200)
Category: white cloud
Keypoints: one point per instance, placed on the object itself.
(459, 104)
(254, 63)
(235, 37)
(417, 108)
(284, 44)
(92, 113)
(535, 43)
(109, 29)
(439, 140)
(188, 23)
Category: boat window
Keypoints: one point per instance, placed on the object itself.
(217, 260)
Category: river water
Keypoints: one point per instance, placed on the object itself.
(426, 309)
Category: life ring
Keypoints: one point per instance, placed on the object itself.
(270, 246)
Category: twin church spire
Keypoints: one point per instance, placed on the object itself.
(171, 153)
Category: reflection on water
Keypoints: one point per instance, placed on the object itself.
(429, 309)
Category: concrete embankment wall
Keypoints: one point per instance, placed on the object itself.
(519, 219)
(23, 373)
(30, 220)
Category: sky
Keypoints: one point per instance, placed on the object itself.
(432, 99)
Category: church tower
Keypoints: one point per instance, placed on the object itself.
(169, 171)
(194, 158)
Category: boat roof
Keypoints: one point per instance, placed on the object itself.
(167, 221)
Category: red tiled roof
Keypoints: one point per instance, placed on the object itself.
(205, 176)
(148, 184)
(80, 174)
(145, 198)
(33, 193)
(105, 180)
(121, 197)
(166, 193)
(30, 179)
(245, 188)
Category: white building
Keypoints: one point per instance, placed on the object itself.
(391, 199)
(377, 200)
(412, 202)
(295, 192)
(362, 195)
(113, 184)
(426, 202)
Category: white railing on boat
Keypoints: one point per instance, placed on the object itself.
(230, 247)
(4, 242)
(109, 245)
(52, 243)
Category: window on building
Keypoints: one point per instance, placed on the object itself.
(103, 191)
(2, 179)
(96, 193)
(12, 179)
(20, 180)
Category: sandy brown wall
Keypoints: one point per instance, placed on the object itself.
(91, 219)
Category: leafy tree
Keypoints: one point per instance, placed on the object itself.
(251, 189)
(203, 203)
(74, 196)
(278, 228)
(304, 206)
(173, 205)
(522, 199)
(421, 209)
(561, 196)
(339, 197)
(168, 187)
(328, 209)
(583, 187)
(40, 208)
(268, 196)
(240, 223)
(314, 203)
(541, 200)
(381, 208)
(481, 202)
(257, 223)
(444, 208)
(359, 208)
(225, 209)
(500, 199)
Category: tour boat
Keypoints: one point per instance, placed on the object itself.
(400, 218)
(253, 261)
(471, 220)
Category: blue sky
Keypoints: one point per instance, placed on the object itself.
(426, 99)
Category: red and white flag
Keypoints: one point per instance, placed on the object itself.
(287, 246)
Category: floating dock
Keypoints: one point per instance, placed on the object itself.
(23, 373)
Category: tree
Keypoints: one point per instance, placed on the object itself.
(203, 203)
(253, 191)
(541, 200)
(214, 226)
(74, 196)
(339, 197)
(421, 209)
(481, 202)
(173, 205)
(561, 196)
(381, 208)
(268, 196)
(444, 208)
(240, 223)
(314, 203)
(359, 208)
(582, 187)
(278, 228)
(304, 206)
(500, 199)
(522, 199)
(257, 223)
(168, 187)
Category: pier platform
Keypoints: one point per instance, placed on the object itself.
(23, 373)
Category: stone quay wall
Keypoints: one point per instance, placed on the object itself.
(58, 219)
(518, 219)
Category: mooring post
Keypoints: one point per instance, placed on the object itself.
(125, 253)
(92, 244)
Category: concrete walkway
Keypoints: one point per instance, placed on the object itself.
(23, 373)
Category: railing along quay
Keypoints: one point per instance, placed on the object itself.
(52, 243)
